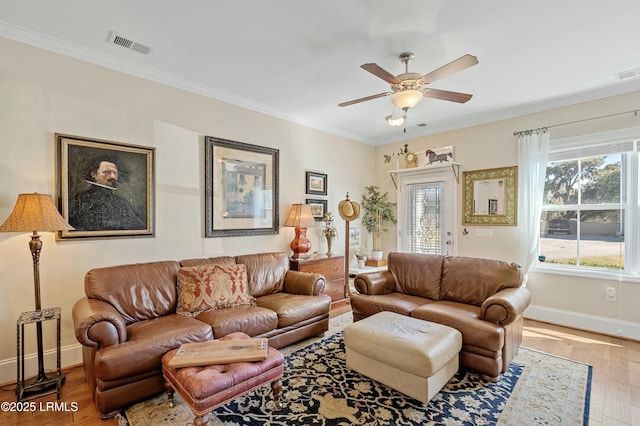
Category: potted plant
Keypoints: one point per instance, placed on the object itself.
(378, 210)
(329, 232)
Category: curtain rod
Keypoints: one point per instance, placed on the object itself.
(544, 129)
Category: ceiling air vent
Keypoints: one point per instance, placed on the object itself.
(628, 74)
(127, 43)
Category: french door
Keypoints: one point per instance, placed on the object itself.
(426, 212)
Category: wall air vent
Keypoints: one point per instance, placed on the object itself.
(628, 74)
(128, 43)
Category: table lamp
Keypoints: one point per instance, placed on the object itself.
(301, 218)
(33, 213)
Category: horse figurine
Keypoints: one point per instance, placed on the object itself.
(433, 157)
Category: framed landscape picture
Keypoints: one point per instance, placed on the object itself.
(316, 183)
(105, 188)
(318, 208)
(241, 189)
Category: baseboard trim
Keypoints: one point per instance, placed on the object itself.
(69, 356)
(596, 324)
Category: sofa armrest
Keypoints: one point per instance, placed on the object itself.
(97, 323)
(304, 283)
(505, 306)
(375, 283)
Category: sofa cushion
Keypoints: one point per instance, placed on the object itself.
(366, 305)
(203, 288)
(472, 280)
(148, 341)
(138, 291)
(294, 308)
(265, 272)
(477, 335)
(416, 274)
(248, 319)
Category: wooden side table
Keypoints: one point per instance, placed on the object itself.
(332, 267)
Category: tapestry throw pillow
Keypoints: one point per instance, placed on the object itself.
(207, 287)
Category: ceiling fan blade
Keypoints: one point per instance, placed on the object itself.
(446, 95)
(380, 72)
(368, 98)
(452, 67)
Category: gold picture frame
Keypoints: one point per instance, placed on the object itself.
(121, 206)
(491, 197)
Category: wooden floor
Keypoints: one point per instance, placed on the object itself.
(615, 391)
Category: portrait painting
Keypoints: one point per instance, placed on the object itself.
(105, 188)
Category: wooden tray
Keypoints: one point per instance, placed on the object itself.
(219, 352)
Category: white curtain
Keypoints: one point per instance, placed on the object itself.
(533, 148)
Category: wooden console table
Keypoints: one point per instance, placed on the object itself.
(332, 267)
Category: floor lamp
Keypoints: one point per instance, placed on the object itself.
(33, 213)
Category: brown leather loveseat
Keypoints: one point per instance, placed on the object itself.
(128, 319)
(482, 298)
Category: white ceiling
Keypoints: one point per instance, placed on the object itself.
(298, 59)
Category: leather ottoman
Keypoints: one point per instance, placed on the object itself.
(412, 356)
(206, 388)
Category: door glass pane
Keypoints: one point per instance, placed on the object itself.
(422, 230)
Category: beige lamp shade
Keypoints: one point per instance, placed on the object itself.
(300, 216)
(406, 98)
(35, 212)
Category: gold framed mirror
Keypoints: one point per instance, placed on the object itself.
(490, 197)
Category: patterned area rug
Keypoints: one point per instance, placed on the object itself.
(318, 389)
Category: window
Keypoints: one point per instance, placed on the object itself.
(589, 214)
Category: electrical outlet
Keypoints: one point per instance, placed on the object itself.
(610, 295)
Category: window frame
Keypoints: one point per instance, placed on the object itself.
(590, 145)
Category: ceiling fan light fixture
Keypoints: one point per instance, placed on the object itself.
(406, 98)
(395, 121)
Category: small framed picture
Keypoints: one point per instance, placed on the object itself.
(316, 183)
(354, 236)
(318, 208)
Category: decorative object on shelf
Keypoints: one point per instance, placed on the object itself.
(329, 232)
(241, 189)
(301, 218)
(318, 208)
(378, 211)
(33, 213)
(361, 256)
(410, 159)
(105, 189)
(490, 197)
(401, 153)
(316, 183)
(437, 156)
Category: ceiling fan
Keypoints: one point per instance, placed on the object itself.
(409, 88)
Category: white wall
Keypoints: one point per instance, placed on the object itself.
(42, 93)
(576, 301)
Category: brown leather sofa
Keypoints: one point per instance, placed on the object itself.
(482, 298)
(128, 320)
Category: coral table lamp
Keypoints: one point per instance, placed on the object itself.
(301, 218)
